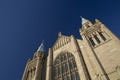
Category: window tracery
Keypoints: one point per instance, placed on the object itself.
(65, 67)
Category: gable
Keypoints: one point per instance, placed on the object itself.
(61, 41)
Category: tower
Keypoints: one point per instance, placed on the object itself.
(95, 57)
(103, 49)
(35, 68)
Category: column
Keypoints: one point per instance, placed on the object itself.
(49, 70)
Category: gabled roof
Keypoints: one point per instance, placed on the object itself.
(61, 41)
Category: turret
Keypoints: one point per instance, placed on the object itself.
(34, 67)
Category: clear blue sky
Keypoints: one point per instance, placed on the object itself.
(25, 23)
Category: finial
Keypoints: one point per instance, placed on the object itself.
(81, 17)
(59, 34)
(97, 20)
(83, 20)
(41, 47)
(28, 60)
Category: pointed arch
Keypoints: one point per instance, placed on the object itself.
(65, 67)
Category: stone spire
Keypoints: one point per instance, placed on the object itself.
(41, 47)
(84, 20)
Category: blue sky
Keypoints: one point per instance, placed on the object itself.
(25, 23)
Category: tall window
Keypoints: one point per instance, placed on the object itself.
(103, 37)
(91, 41)
(98, 41)
(65, 67)
(30, 74)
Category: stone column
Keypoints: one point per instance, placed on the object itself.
(49, 71)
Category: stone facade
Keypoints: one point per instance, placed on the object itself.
(95, 57)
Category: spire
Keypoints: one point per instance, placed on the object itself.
(41, 47)
(84, 20)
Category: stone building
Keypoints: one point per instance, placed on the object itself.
(95, 57)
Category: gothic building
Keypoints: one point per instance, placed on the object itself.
(95, 57)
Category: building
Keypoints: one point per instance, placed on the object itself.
(95, 57)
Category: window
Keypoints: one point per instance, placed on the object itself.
(56, 71)
(64, 78)
(74, 64)
(29, 75)
(72, 77)
(103, 37)
(64, 67)
(68, 78)
(77, 76)
(70, 65)
(98, 41)
(92, 42)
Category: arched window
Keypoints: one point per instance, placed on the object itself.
(65, 67)
(102, 36)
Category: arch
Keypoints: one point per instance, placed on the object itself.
(65, 67)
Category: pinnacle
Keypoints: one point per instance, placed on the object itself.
(84, 20)
(41, 47)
